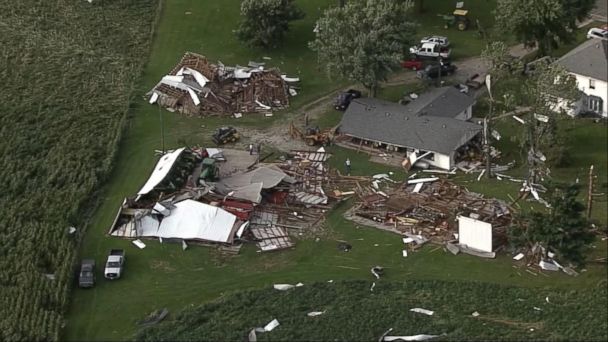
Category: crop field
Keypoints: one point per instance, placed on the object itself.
(351, 312)
(68, 71)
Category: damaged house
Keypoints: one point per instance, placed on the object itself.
(197, 87)
(432, 128)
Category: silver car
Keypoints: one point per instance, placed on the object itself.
(441, 40)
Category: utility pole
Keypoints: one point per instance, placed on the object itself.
(486, 129)
(440, 70)
(590, 194)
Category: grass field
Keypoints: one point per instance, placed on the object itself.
(165, 276)
(351, 312)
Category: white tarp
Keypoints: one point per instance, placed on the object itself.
(195, 220)
(194, 97)
(161, 170)
(200, 79)
(475, 234)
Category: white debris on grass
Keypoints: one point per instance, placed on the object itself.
(423, 311)
(315, 313)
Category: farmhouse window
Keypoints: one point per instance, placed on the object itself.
(591, 83)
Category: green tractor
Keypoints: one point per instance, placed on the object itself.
(459, 19)
(210, 171)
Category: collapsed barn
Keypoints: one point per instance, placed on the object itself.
(196, 87)
(226, 197)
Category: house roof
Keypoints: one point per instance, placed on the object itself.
(161, 170)
(395, 124)
(588, 59)
(444, 101)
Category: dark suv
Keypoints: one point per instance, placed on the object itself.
(432, 71)
(344, 98)
(86, 278)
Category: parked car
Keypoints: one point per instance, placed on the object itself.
(114, 264)
(432, 71)
(86, 277)
(344, 98)
(432, 50)
(597, 33)
(441, 40)
(413, 64)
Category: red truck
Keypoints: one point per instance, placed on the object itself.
(413, 64)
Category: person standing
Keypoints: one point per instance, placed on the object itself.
(347, 164)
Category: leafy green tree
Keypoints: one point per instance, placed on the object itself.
(265, 22)
(542, 23)
(563, 229)
(364, 40)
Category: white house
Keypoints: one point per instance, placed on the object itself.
(588, 63)
(434, 125)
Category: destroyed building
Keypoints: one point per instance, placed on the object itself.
(436, 210)
(221, 197)
(197, 87)
(434, 125)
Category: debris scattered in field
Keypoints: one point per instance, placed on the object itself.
(475, 314)
(518, 256)
(271, 325)
(377, 271)
(315, 313)
(285, 287)
(139, 244)
(155, 317)
(372, 287)
(197, 87)
(423, 311)
(421, 337)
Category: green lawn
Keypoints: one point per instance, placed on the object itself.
(165, 276)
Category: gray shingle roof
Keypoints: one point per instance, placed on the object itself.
(388, 122)
(444, 101)
(588, 59)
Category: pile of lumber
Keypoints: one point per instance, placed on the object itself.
(196, 87)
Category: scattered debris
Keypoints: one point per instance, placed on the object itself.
(518, 256)
(372, 287)
(197, 87)
(155, 317)
(139, 244)
(421, 337)
(475, 314)
(315, 313)
(344, 247)
(271, 325)
(423, 311)
(377, 271)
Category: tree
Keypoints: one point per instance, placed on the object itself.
(265, 22)
(548, 91)
(364, 40)
(564, 230)
(542, 23)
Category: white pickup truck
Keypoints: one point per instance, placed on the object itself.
(432, 50)
(114, 265)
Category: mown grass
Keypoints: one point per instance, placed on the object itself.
(354, 313)
(165, 276)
